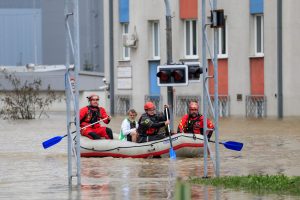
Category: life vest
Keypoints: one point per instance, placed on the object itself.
(128, 137)
(149, 131)
(132, 124)
(93, 115)
(153, 131)
(194, 125)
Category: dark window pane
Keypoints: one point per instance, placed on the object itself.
(223, 40)
(194, 38)
(258, 34)
(187, 38)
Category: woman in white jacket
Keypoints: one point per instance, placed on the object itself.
(128, 128)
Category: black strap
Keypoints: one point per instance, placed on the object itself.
(190, 123)
(94, 135)
(132, 124)
(95, 115)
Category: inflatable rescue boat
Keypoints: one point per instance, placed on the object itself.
(185, 145)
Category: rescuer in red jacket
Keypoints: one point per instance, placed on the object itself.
(91, 114)
(193, 121)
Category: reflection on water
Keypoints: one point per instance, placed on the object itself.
(30, 172)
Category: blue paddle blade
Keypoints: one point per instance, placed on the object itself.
(52, 141)
(237, 146)
(172, 154)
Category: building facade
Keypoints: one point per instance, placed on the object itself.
(249, 71)
(256, 50)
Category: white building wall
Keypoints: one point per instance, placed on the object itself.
(270, 56)
(240, 42)
(139, 57)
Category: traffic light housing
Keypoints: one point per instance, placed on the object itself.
(194, 71)
(172, 75)
(220, 19)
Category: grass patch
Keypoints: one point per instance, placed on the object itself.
(278, 184)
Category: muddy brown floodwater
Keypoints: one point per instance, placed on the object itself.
(271, 146)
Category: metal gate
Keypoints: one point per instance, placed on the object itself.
(256, 106)
(123, 104)
(224, 105)
(182, 104)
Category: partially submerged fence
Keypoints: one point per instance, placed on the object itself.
(124, 103)
(256, 106)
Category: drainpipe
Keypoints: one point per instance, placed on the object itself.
(279, 59)
(111, 59)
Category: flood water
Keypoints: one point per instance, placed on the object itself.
(28, 171)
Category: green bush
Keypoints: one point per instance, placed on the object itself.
(25, 101)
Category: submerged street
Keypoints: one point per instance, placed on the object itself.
(28, 171)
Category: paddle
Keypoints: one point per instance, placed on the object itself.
(172, 152)
(57, 139)
(236, 146)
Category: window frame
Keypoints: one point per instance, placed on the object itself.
(193, 39)
(125, 50)
(221, 41)
(256, 52)
(155, 40)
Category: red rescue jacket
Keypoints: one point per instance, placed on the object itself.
(193, 124)
(89, 115)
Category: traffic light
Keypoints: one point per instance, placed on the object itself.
(220, 19)
(194, 71)
(172, 75)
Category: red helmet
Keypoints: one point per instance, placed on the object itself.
(91, 96)
(149, 105)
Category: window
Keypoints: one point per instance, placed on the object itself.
(155, 40)
(191, 44)
(126, 50)
(222, 46)
(259, 34)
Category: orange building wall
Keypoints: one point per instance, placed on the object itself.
(223, 77)
(188, 9)
(257, 76)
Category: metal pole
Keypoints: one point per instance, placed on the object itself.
(67, 92)
(111, 61)
(170, 94)
(205, 94)
(279, 59)
(77, 68)
(216, 93)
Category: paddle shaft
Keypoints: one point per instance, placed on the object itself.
(57, 139)
(167, 115)
(215, 141)
(87, 126)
